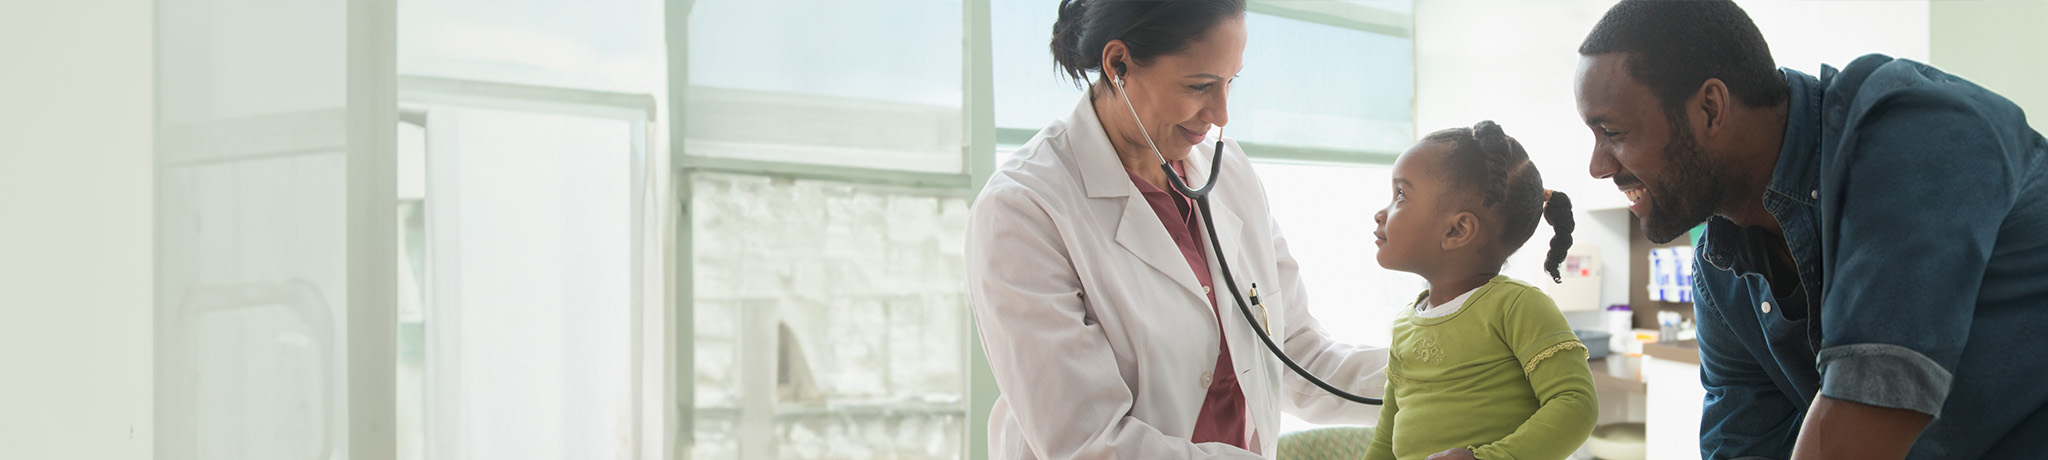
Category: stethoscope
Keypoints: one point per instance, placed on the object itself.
(1201, 197)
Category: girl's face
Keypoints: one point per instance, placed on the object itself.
(1413, 227)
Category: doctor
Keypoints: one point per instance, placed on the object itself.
(1091, 280)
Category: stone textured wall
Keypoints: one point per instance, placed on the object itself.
(868, 281)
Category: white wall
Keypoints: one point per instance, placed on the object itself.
(75, 229)
(1513, 62)
(1997, 44)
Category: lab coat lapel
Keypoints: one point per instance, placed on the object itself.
(1141, 232)
(1138, 229)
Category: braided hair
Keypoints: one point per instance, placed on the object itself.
(1485, 159)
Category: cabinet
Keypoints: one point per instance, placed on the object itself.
(1671, 375)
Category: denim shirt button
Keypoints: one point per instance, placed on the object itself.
(1816, 194)
(1767, 307)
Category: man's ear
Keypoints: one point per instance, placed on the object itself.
(1461, 230)
(1712, 108)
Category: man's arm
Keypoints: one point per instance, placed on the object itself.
(1851, 430)
(1901, 287)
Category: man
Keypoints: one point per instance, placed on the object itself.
(1873, 281)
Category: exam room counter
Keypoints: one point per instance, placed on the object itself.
(1661, 389)
(1671, 373)
(1624, 373)
(1685, 352)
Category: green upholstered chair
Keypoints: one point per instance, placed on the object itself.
(1327, 443)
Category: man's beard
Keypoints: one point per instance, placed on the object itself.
(1691, 189)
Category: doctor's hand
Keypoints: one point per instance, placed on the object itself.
(1452, 454)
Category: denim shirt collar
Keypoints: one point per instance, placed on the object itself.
(1794, 191)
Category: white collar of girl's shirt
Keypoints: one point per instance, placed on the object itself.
(1423, 309)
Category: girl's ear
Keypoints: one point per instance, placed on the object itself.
(1462, 230)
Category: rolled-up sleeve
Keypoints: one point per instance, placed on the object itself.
(1914, 200)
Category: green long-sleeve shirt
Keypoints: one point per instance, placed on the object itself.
(1503, 375)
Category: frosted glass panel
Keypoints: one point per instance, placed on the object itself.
(251, 230)
(865, 84)
(251, 342)
(869, 322)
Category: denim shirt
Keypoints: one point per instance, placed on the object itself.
(1915, 208)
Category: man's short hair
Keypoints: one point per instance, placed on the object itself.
(1674, 46)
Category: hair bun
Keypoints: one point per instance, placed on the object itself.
(1488, 130)
(1066, 39)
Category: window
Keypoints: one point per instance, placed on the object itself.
(884, 92)
(827, 194)
(1324, 87)
(852, 305)
(1328, 82)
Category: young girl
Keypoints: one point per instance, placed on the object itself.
(1486, 362)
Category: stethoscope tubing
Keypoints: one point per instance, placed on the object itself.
(1202, 202)
(1201, 197)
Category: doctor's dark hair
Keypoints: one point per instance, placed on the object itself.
(1485, 161)
(1150, 28)
(1673, 47)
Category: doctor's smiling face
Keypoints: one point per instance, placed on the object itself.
(1179, 95)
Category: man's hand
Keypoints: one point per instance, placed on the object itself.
(1452, 454)
(1837, 428)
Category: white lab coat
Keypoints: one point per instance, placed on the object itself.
(1101, 338)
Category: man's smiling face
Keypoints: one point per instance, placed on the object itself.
(1654, 160)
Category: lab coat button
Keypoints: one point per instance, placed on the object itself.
(1767, 307)
(1206, 377)
(1205, 289)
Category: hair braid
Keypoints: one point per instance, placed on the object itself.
(1557, 209)
(1493, 147)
